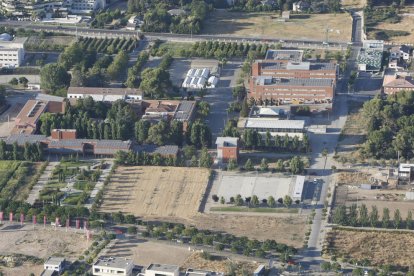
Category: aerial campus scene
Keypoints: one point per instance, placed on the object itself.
(206, 137)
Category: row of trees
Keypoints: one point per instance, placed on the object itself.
(219, 50)
(134, 72)
(361, 217)
(254, 201)
(390, 126)
(28, 152)
(295, 165)
(108, 46)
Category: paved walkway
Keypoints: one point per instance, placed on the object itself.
(35, 192)
(99, 185)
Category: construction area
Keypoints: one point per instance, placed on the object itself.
(156, 191)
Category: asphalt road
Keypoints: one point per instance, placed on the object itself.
(321, 165)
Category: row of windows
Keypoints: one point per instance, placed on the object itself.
(295, 95)
(8, 55)
(3, 59)
(284, 130)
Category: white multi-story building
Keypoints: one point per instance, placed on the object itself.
(11, 51)
(54, 264)
(113, 266)
(84, 6)
(162, 270)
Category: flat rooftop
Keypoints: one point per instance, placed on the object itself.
(271, 81)
(269, 123)
(294, 55)
(104, 91)
(307, 66)
(371, 57)
(114, 262)
(54, 261)
(163, 267)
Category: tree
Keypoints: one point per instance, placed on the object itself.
(2, 150)
(157, 133)
(358, 272)
(232, 165)
(54, 77)
(13, 81)
(339, 216)
(255, 201)
(326, 266)
(23, 81)
(373, 216)
(271, 201)
(409, 221)
(287, 201)
(203, 108)
(141, 130)
(264, 166)
(215, 198)
(363, 215)
(249, 165)
(244, 112)
(118, 66)
(385, 217)
(353, 215)
(296, 165)
(155, 82)
(132, 230)
(397, 219)
(222, 200)
(205, 158)
(239, 200)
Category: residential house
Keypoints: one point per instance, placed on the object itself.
(112, 266)
(227, 148)
(403, 52)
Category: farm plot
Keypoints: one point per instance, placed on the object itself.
(312, 26)
(109, 45)
(378, 247)
(156, 191)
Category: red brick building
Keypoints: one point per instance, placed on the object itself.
(60, 134)
(227, 148)
(283, 90)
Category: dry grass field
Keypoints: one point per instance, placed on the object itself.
(406, 24)
(312, 27)
(355, 4)
(379, 247)
(196, 261)
(156, 191)
(174, 195)
(42, 243)
(145, 252)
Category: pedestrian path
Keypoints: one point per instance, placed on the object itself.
(35, 192)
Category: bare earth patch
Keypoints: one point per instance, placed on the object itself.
(379, 247)
(221, 264)
(311, 27)
(42, 243)
(145, 252)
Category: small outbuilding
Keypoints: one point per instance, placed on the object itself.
(227, 148)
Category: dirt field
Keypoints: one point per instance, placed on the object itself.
(145, 252)
(41, 242)
(267, 25)
(406, 24)
(358, 4)
(156, 191)
(24, 269)
(379, 247)
(220, 264)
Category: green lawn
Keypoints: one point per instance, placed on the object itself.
(174, 48)
(255, 210)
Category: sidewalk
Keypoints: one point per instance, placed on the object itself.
(34, 193)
